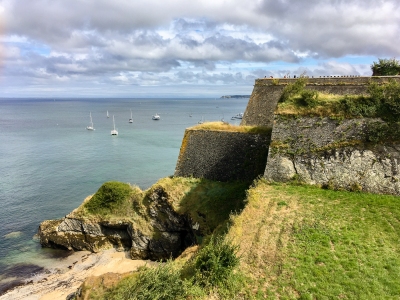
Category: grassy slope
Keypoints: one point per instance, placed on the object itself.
(305, 242)
(298, 241)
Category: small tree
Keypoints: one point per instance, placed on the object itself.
(385, 67)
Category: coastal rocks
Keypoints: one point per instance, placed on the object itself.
(170, 233)
(75, 234)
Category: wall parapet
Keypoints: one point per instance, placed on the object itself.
(266, 93)
(328, 80)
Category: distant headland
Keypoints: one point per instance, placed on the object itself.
(235, 96)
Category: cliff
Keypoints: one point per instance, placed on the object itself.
(156, 224)
(338, 154)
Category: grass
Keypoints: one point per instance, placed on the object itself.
(224, 126)
(291, 241)
(208, 203)
(302, 242)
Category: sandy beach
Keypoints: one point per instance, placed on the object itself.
(69, 273)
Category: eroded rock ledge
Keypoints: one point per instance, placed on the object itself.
(170, 232)
(337, 154)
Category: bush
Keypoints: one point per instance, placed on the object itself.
(381, 132)
(110, 195)
(385, 67)
(215, 262)
(359, 106)
(293, 89)
(161, 282)
(388, 95)
(308, 98)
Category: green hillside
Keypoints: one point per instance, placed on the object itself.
(289, 241)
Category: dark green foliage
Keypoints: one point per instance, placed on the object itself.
(308, 98)
(382, 101)
(215, 262)
(381, 132)
(162, 282)
(387, 96)
(110, 195)
(293, 89)
(385, 67)
(359, 106)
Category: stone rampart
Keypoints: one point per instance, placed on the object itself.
(332, 153)
(266, 93)
(222, 155)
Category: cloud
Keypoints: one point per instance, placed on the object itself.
(205, 42)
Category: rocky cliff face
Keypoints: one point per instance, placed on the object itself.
(170, 232)
(332, 153)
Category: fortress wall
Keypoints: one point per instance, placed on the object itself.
(266, 93)
(222, 155)
(334, 154)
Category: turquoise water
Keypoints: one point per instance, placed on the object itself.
(49, 162)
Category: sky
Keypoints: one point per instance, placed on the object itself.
(181, 48)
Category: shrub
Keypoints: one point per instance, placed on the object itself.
(110, 195)
(293, 89)
(359, 106)
(215, 262)
(161, 282)
(385, 67)
(388, 95)
(308, 98)
(380, 132)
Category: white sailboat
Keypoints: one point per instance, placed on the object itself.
(114, 131)
(90, 127)
(131, 120)
(156, 117)
(201, 121)
(107, 114)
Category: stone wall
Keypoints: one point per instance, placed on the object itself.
(332, 153)
(222, 155)
(266, 93)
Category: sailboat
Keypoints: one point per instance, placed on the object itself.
(114, 131)
(201, 121)
(131, 120)
(90, 127)
(107, 114)
(156, 117)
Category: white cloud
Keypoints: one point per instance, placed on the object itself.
(178, 42)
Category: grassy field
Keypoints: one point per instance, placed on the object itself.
(302, 242)
(292, 242)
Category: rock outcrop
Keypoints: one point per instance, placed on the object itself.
(170, 233)
(333, 153)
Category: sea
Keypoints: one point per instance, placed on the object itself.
(50, 162)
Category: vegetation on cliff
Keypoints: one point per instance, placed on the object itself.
(207, 203)
(225, 126)
(381, 101)
(289, 241)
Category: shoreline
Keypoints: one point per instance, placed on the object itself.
(70, 272)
